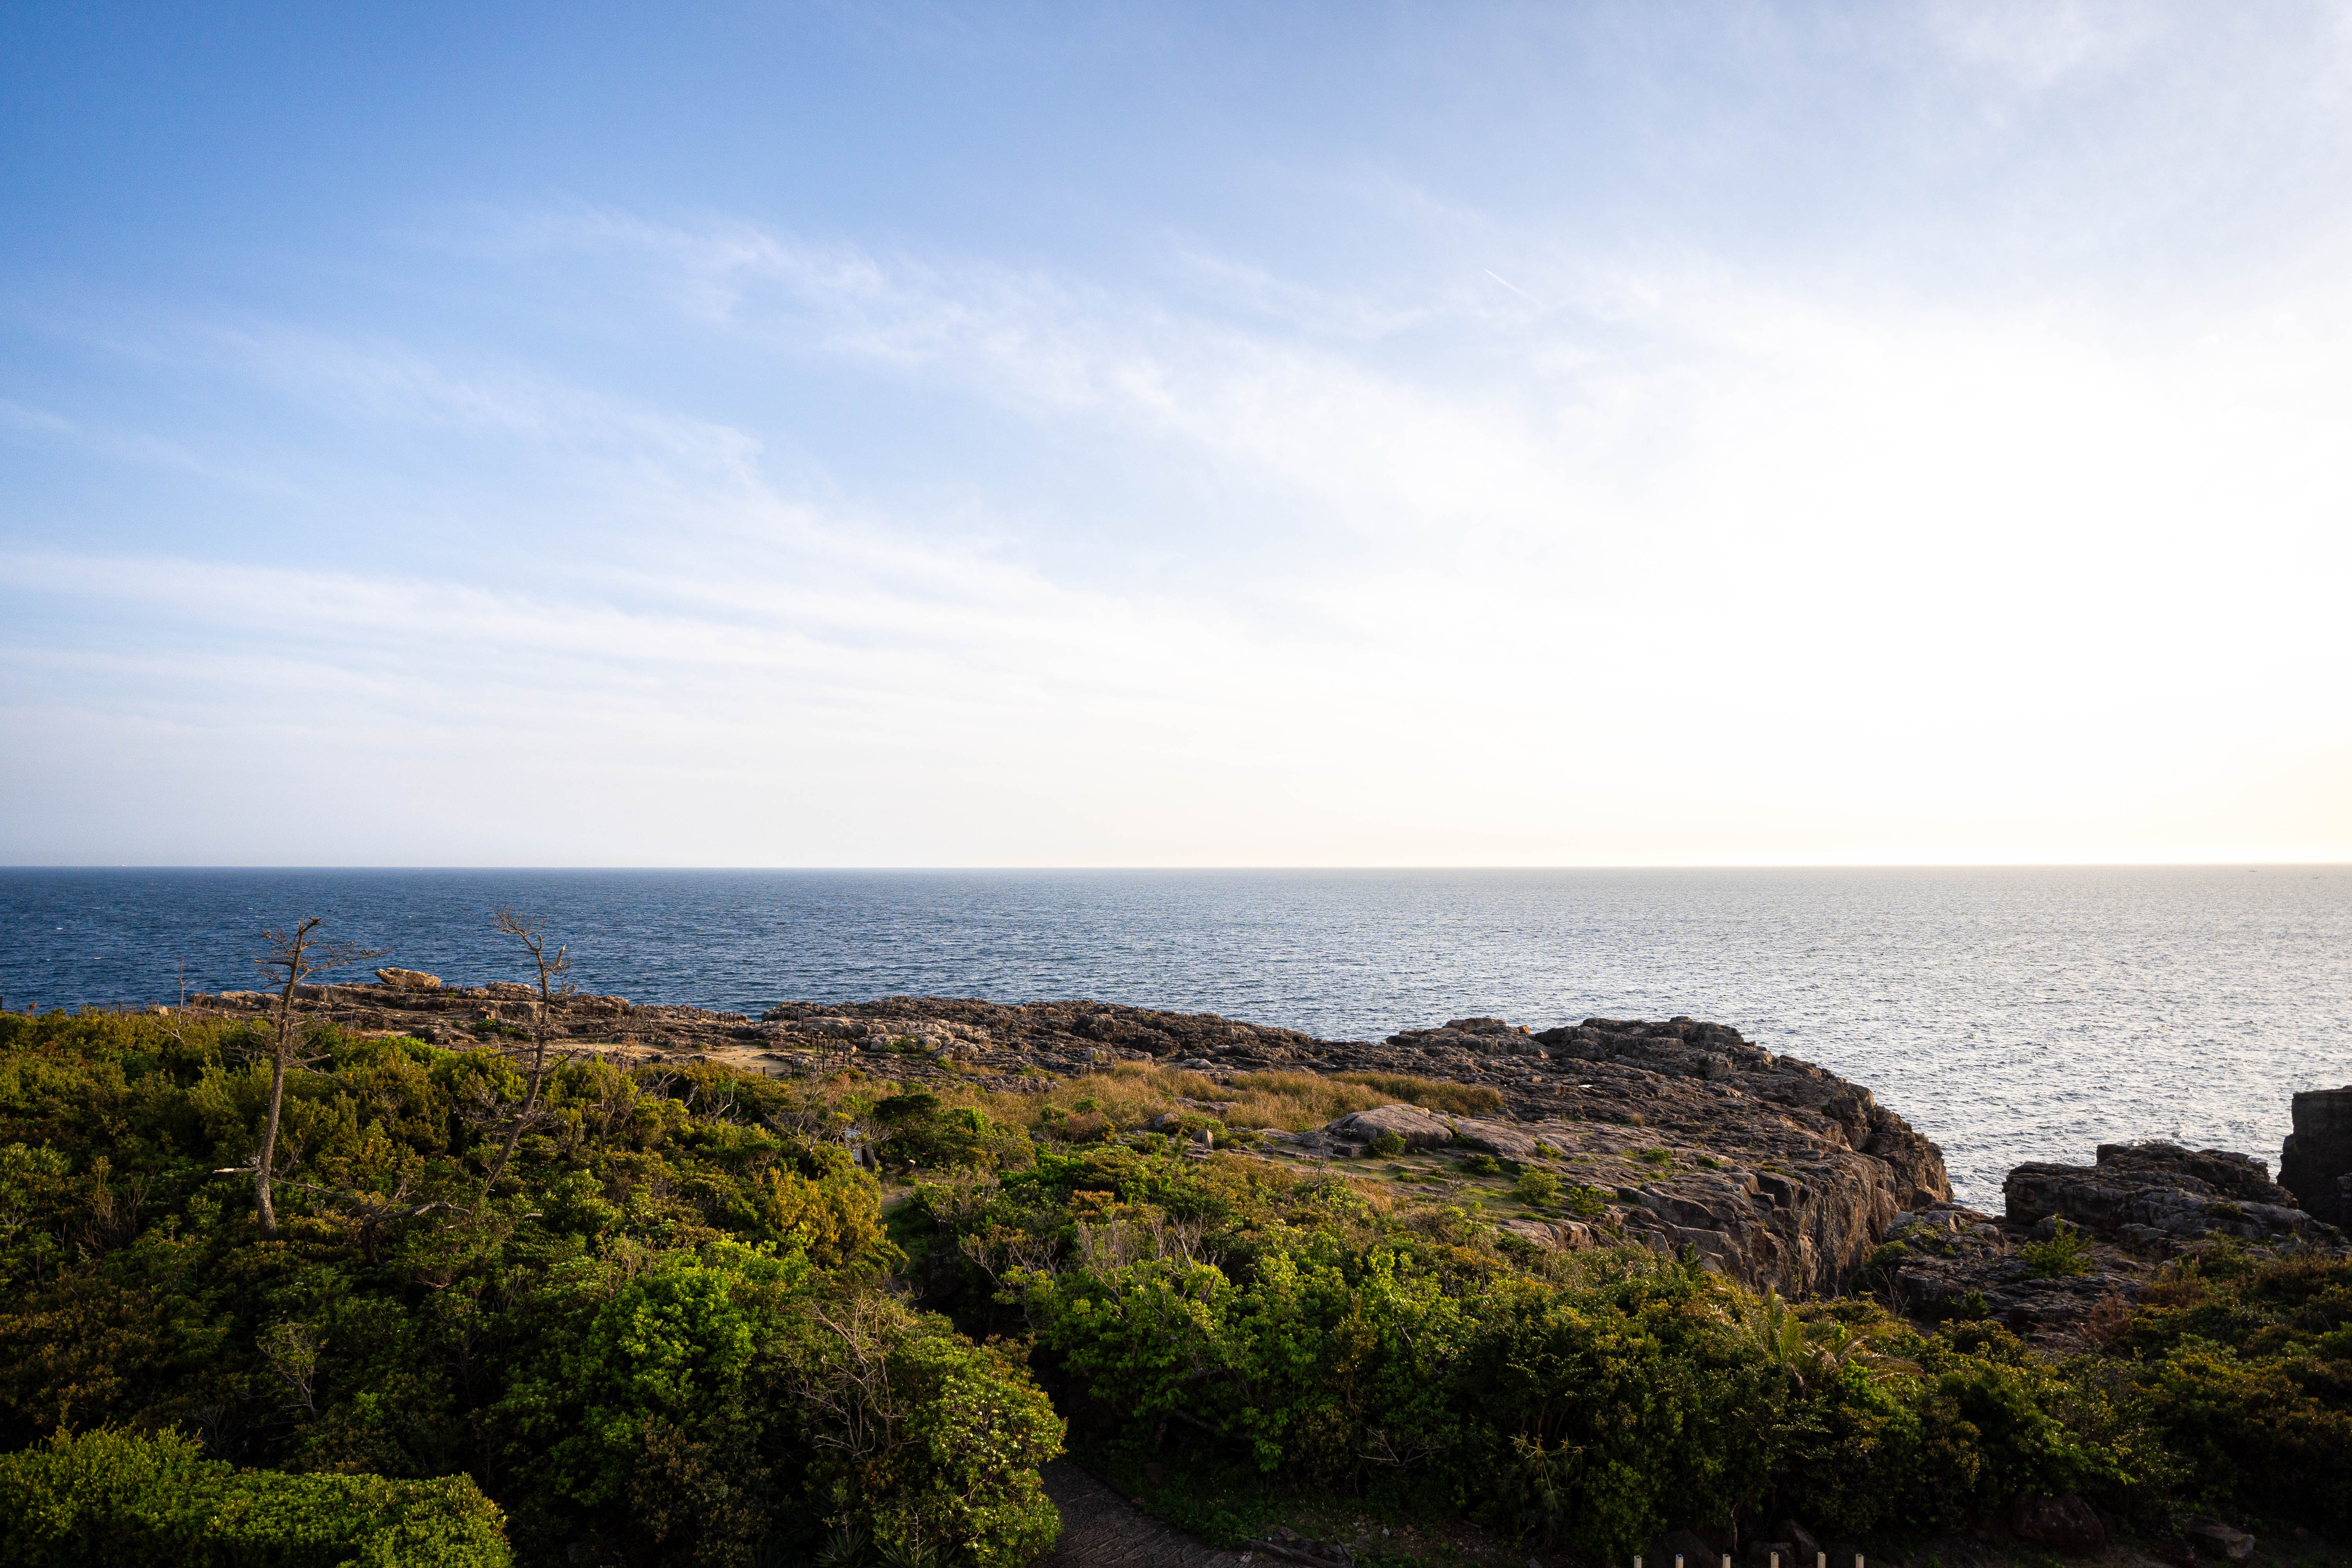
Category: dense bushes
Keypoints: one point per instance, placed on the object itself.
(662, 1338)
(680, 1332)
(1322, 1333)
(2246, 1370)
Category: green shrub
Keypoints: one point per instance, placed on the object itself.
(2066, 1255)
(1388, 1145)
(1480, 1166)
(1537, 1187)
(919, 1131)
(959, 1474)
(1878, 1270)
(121, 1500)
(1588, 1203)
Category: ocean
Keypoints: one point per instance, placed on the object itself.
(2010, 1014)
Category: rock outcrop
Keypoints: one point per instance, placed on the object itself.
(2153, 1194)
(2316, 1163)
(1950, 1261)
(2138, 1205)
(1774, 1171)
(2066, 1524)
(1673, 1134)
(409, 979)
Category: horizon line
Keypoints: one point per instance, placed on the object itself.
(2250, 863)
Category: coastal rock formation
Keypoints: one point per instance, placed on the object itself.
(2316, 1163)
(1951, 1261)
(1673, 1134)
(2151, 1194)
(2138, 1205)
(409, 979)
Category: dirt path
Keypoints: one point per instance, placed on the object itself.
(1101, 1529)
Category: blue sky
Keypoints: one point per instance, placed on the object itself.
(1160, 435)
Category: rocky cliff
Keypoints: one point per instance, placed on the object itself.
(2316, 1163)
(1673, 1134)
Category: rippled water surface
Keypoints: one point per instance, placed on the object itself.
(2011, 1014)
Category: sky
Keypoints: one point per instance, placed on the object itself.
(1136, 435)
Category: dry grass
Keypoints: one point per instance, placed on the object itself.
(1460, 1099)
(1298, 1101)
(1294, 1102)
(1121, 1100)
(1131, 1094)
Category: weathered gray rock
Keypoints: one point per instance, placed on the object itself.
(2161, 1190)
(2140, 1201)
(1482, 1036)
(409, 979)
(1423, 1129)
(597, 1006)
(1950, 1261)
(2066, 1524)
(1558, 1235)
(2316, 1163)
(1419, 1129)
(2211, 1535)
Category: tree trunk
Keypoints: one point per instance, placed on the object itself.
(269, 1131)
(530, 1096)
(514, 1134)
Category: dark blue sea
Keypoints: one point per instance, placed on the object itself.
(2010, 1014)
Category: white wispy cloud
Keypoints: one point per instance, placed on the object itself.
(1696, 563)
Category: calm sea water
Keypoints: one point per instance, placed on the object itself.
(2011, 1014)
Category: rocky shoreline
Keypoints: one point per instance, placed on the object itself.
(1676, 1133)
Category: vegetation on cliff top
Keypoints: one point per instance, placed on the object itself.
(661, 1337)
(678, 1327)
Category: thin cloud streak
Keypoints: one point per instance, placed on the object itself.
(1878, 512)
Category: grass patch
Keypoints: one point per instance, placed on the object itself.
(1132, 1094)
(1296, 1101)
(1104, 1104)
(1460, 1099)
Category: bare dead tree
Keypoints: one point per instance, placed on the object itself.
(550, 966)
(288, 958)
(867, 1411)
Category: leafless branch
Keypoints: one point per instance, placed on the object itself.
(549, 965)
(287, 958)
